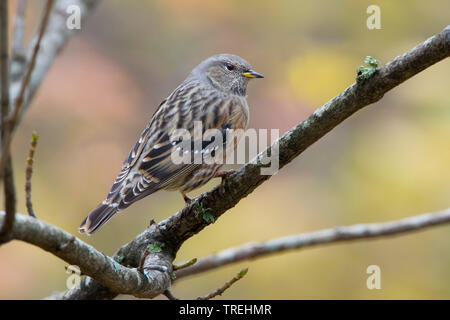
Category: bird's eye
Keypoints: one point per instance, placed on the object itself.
(229, 67)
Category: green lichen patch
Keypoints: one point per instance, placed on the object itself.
(200, 210)
(363, 73)
(155, 247)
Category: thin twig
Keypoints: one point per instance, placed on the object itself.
(310, 239)
(185, 265)
(26, 79)
(183, 225)
(221, 290)
(6, 171)
(29, 173)
(89, 260)
(142, 261)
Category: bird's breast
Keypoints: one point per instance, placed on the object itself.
(241, 114)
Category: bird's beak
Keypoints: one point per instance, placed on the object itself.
(252, 74)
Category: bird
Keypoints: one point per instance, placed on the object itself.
(214, 95)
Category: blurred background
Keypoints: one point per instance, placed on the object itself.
(388, 161)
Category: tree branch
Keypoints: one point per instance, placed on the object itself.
(52, 42)
(326, 236)
(13, 118)
(93, 263)
(227, 285)
(6, 172)
(29, 173)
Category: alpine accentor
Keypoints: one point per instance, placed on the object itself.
(214, 94)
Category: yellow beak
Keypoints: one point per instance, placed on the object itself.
(252, 74)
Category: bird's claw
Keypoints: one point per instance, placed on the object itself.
(223, 175)
(188, 200)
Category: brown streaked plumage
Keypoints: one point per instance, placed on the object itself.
(215, 94)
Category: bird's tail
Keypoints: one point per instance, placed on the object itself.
(98, 217)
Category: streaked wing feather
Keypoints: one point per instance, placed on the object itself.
(149, 166)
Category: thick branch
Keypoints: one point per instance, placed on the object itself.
(306, 240)
(93, 263)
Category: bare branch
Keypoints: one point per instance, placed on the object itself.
(29, 173)
(306, 240)
(12, 121)
(221, 290)
(53, 41)
(93, 263)
(185, 265)
(142, 262)
(6, 172)
(26, 79)
(92, 289)
(184, 224)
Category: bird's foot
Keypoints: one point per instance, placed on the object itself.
(223, 175)
(198, 208)
(188, 200)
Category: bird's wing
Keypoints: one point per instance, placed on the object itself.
(149, 166)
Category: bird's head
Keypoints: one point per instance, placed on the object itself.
(227, 72)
